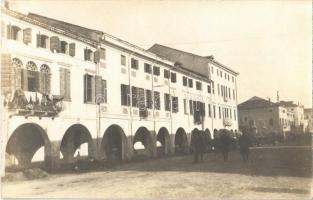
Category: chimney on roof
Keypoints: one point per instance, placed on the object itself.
(211, 57)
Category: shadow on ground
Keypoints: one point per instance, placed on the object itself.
(295, 162)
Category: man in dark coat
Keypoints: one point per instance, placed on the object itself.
(196, 145)
(225, 142)
(245, 144)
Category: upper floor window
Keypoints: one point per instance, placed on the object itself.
(134, 63)
(156, 70)
(185, 107)
(42, 41)
(167, 102)
(147, 68)
(157, 102)
(228, 76)
(221, 74)
(149, 101)
(44, 85)
(14, 33)
(184, 81)
(209, 88)
(173, 77)
(88, 54)
(225, 76)
(175, 107)
(198, 85)
(190, 83)
(213, 88)
(166, 73)
(31, 77)
(212, 69)
(64, 47)
(125, 96)
(89, 83)
(123, 60)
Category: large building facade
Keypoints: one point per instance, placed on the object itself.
(66, 89)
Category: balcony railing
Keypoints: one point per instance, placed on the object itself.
(34, 104)
(227, 122)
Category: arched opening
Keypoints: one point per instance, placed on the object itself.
(76, 143)
(23, 144)
(113, 143)
(163, 142)
(143, 143)
(181, 142)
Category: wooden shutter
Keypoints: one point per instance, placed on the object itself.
(85, 88)
(68, 84)
(18, 78)
(96, 56)
(72, 49)
(62, 81)
(48, 83)
(98, 89)
(41, 82)
(55, 44)
(38, 40)
(37, 81)
(9, 31)
(93, 89)
(27, 35)
(102, 54)
(6, 73)
(25, 79)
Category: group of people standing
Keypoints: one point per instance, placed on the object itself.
(222, 143)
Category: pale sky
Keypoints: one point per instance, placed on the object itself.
(268, 42)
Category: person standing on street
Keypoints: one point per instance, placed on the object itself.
(245, 144)
(195, 145)
(225, 143)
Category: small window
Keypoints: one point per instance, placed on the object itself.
(175, 107)
(134, 63)
(125, 96)
(209, 88)
(198, 85)
(184, 81)
(88, 54)
(64, 47)
(190, 83)
(173, 77)
(167, 102)
(156, 102)
(166, 73)
(147, 68)
(156, 70)
(123, 60)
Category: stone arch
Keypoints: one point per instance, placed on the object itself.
(74, 137)
(164, 138)
(24, 143)
(144, 136)
(181, 141)
(114, 143)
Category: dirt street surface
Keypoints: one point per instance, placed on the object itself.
(272, 173)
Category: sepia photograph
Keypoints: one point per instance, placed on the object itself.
(156, 99)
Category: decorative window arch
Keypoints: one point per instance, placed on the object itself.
(17, 63)
(31, 66)
(44, 69)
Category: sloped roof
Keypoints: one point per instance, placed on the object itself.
(90, 34)
(256, 102)
(287, 104)
(191, 62)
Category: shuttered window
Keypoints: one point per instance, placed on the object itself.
(209, 88)
(173, 77)
(157, 102)
(134, 63)
(190, 83)
(64, 47)
(134, 96)
(65, 83)
(147, 68)
(88, 54)
(175, 105)
(55, 44)
(102, 54)
(89, 88)
(166, 73)
(156, 71)
(100, 90)
(149, 99)
(184, 81)
(27, 35)
(123, 60)
(72, 49)
(30, 77)
(125, 98)
(167, 102)
(44, 79)
(198, 85)
(190, 107)
(6, 76)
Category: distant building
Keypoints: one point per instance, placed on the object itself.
(297, 111)
(264, 117)
(308, 120)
